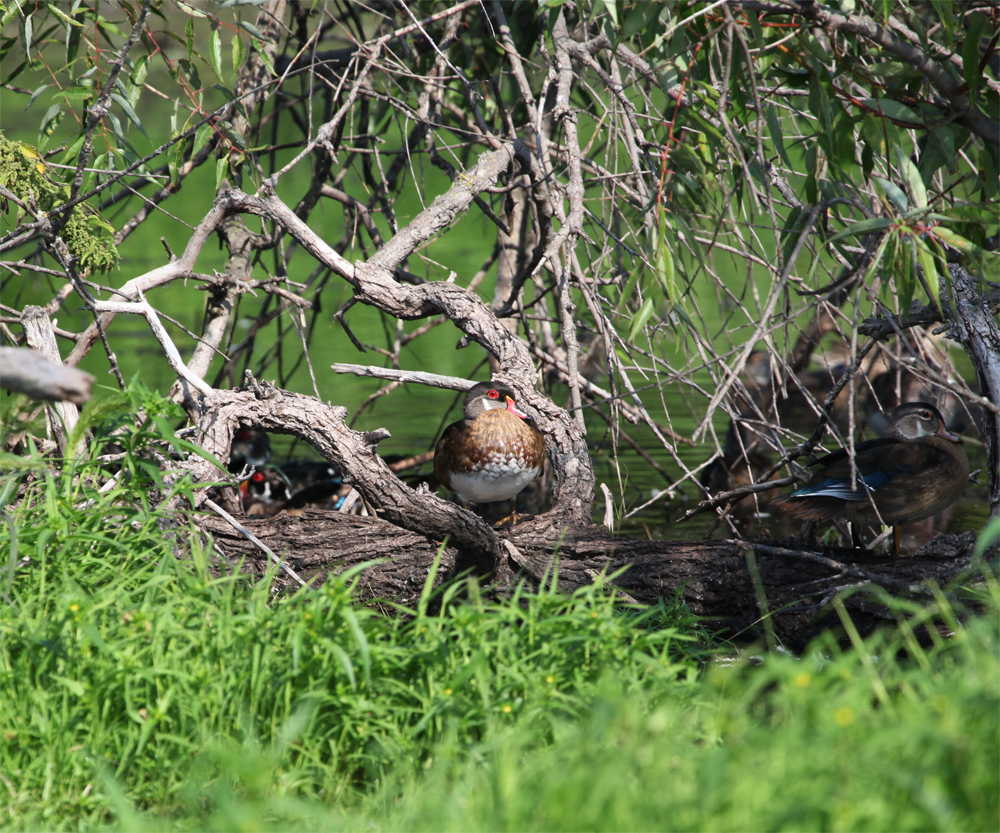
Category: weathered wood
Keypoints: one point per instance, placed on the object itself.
(977, 330)
(38, 332)
(29, 372)
(711, 577)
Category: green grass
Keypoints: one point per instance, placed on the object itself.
(142, 691)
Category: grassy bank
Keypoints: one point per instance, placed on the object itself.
(141, 690)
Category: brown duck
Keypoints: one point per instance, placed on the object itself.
(494, 452)
(915, 471)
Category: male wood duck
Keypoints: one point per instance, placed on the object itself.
(494, 452)
(918, 469)
(265, 492)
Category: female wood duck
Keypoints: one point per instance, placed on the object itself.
(494, 452)
(915, 471)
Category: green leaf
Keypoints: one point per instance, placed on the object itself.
(641, 317)
(611, 8)
(906, 274)
(862, 227)
(237, 53)
(65, 18)
(50, 120)
(946, 14)
(35, 95)
(972, 212)
(970, 53)
(221, 168)
(627, 292)
(216, 51)
(141, 71)
(176, 159)
(132, 117)
(913, 180)
(26, 32)
(894, 193)
(956, 241)
(75, 686)
(188, 9)
(77, 93)
(640, 18)
(775, 127)
(926, 257)
(666, 272)
(894, 110)
(253, 30)
(264, 56)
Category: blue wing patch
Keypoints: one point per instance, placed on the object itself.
(839, 488)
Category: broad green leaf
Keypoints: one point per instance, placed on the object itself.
(956, 241)
(216, 52)
(140, 72)
(253, 30)
(894, 193)
(201, 136)
(237, 53)
(70, 154)
(893, 110)
(640, 17)
(221, 168)
(77, 93)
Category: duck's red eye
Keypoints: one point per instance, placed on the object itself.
(257, 477)
(493, 394)
(925, 414)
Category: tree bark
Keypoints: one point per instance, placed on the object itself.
(29, 372)
(711, 577)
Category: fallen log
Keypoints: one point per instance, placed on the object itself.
(711, 577)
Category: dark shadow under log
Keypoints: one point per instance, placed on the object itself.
(712, 577)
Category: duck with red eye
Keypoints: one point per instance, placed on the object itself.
(494, 452)
(918, 469)
(264, 493)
